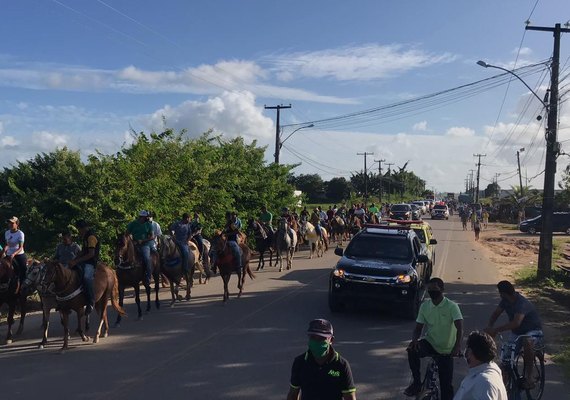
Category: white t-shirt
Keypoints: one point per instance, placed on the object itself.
(483, 382)
(13, 241)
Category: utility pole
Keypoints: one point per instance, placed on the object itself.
(390, 180)
(467, 184)
(552, 151)
(471, 183)
(520, 174)
(478, 173)
(380, 178)
(365, 176)
(277, 129)
(497, 184)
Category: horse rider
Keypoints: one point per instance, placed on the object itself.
(232, 231)
(266, 218)
(305, 214)
(196, 234)
(156, 230)
(86, 261)
(14, 250)
(67, 250)
(182, 232)
(286, 214)
(141, 231)
(316, 221)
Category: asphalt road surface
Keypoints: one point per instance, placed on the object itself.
(244, 349)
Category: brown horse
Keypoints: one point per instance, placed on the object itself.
(69, 296)
(8, 293)
(131, 272)
(227, 264)
(172, 268)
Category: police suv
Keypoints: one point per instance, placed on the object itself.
(383, 265)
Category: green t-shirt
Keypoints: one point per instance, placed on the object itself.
(373, 210)
(439, 320)
(140, 231)
(266, 217)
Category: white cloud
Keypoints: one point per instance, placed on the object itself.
(524, 51)
(420, 126)
(1, 127)
(8, 142)
(459, 131)
(230, 113)
(46, 141)
(366, 62)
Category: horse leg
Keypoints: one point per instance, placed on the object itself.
(156, 277)
(172, 293)
(188, 277)
(121, 300)
(226, 279)
(65, 322)
(259, 265)
(137, 300)
(241, 281)
(11, 312)
(147, 290)
(280, 257)
(100, 307)
(23, 298)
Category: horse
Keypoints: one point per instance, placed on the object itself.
(9, 294)
(294, 224)
(227, 264)
(355, 225)
(309, 231)
(285, 244)
(203, 265)
(131, 271)
(67, 285)
(172, 267)
(264, 241)
(338, 229)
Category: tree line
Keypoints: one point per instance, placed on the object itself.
(162, 172)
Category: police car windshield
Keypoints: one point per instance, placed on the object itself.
(421, 234)
(379, 247)
(440, 207)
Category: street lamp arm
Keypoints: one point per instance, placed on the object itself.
(485, 65)
(298, 129)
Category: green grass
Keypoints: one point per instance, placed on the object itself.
(527, 277)
(563, 357)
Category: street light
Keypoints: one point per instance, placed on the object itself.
(485, 65)
(291, 134)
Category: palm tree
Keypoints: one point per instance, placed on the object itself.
(519, 202)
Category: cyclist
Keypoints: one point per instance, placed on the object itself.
(523, 320)
(442, 339)
(484, 380)
(320, 372)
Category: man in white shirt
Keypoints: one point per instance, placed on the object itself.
(484, 380)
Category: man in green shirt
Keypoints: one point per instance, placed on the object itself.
(444, 327)
(266, 217)
(373, 209)
(141, 231)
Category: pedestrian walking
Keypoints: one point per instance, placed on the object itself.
(477, 228)
(320, 372)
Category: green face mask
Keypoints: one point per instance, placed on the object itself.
(318, 348)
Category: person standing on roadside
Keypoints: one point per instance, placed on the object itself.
(444, 327)
(320, 372)
(477, 228)
(484, 380)
(14, 249)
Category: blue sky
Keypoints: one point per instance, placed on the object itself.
(80, 73)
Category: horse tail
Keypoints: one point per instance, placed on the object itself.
(115, 296)
(249, 272)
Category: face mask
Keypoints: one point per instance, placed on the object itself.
(434, 294)
(318, 348)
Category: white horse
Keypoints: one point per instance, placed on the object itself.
(316, 244)
(285, 243)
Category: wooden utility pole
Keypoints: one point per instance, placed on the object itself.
(380, 178)
(389, 181)
(478, 174)
(365, 176)
(277, 129)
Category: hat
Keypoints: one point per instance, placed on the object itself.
(14, 220)
(320, 327)
(144, 213)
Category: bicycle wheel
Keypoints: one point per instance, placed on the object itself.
(537, 374)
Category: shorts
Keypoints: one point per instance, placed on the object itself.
(537, 337)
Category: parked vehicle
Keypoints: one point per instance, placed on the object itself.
(401, 211)
(560, 223)
(440, 211)
(416, 212)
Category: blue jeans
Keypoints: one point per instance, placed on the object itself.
(200, 243)
(145, 253)
(236, 251)
(184, 252)
(88, 271)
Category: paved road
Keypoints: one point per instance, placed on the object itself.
(244, 349)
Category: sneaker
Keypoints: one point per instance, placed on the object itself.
(413, 389)
(88, 309)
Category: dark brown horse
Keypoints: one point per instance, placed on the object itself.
(8, 293)
(227, 264)
(67, 287)
(131, 272)
(264, 242)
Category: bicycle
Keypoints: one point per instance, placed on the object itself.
(430, 383)
(512, 364)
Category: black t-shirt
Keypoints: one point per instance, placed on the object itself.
(322, 382)
(531, 321)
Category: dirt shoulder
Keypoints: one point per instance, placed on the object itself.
(516, 255)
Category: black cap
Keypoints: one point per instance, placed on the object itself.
(320, 327)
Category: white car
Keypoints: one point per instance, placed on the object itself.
(440, 211)
(421, 205)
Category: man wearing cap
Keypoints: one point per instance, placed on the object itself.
(14, 249)
(141, 231)
(320, 372)
(86, 261)
(67, 250)
(182, 232)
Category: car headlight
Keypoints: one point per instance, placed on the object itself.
(339, 273)
(403, 278)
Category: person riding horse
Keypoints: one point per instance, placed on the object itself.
(266, 218)
(86, 261)
(67, 250)
(316, 221)
(232, 231)
(141, 231)
(285, 214)
(196, 234)
(182, 232)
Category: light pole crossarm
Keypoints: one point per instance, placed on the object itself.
(485, 65)
(298, 129)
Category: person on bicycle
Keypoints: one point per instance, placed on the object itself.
(442, 339)
(523, 320)
(320, 372)
(484, 380)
